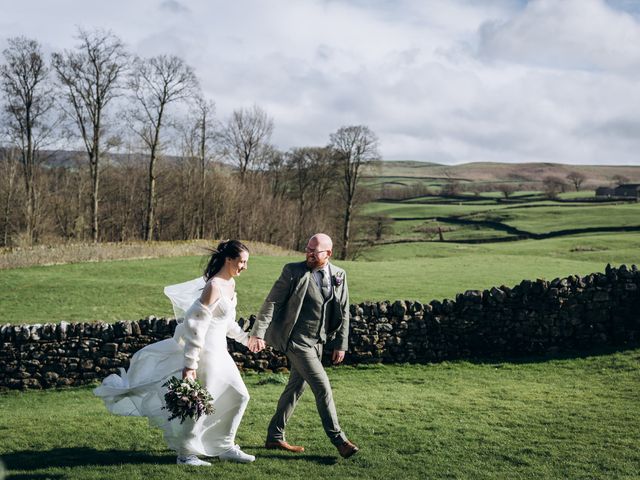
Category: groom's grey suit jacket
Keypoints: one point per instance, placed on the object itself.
(281, 310)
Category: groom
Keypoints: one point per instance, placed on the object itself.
(307, 307)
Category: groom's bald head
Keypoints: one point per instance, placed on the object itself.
(323, 241)
(319, 250)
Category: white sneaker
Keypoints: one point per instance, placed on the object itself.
(234, 454)
(192, 460)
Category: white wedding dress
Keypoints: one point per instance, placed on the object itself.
(199, 342)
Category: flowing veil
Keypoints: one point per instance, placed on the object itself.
(182, 295)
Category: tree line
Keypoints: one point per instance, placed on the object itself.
(97, 144)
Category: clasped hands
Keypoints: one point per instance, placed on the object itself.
(256, 344)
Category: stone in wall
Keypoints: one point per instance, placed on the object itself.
(535, 317)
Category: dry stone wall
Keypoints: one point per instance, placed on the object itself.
(569, 315)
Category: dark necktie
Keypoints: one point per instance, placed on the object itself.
(324, 284)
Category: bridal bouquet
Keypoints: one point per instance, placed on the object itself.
(187, 399)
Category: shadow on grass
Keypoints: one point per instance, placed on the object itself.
(546, 357)
(79, 457)
(82, 457)
(518, 359)
(321, 459)
(36, 476)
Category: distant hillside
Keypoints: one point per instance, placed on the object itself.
(467, 172)
(502, 172)
(76, 159)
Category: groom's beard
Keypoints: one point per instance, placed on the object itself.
(315, 263)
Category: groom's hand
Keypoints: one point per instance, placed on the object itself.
(337, 357)
(256, 344)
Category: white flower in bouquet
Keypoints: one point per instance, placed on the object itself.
(187, 399)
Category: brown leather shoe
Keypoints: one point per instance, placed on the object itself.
(347, 449)
(282, 445)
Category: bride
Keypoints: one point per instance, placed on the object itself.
(198, 349)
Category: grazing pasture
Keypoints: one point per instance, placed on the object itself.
(558, 418)
(545, 219)
(132, 289)
(569, 418)
(501, 172)
(472, 220)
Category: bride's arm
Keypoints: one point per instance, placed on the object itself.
(235, 331)
(196, 326)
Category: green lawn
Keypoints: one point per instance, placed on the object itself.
(129, 290)
(409, 210)
(415, 230)
(516, 194)
(550, 419)
(535, 217)
(558, 419)
(580, 194)
(550, 219)
(117, 290)
(587, 249)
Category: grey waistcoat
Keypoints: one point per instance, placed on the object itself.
(310, 327)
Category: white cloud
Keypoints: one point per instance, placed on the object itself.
(444, 80)
(580, 34)
(174, 6)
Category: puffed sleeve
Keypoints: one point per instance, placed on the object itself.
(196, 325)
(235, 331)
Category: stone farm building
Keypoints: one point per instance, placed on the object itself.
(627, 190)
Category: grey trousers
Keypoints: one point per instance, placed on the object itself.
(306, 369)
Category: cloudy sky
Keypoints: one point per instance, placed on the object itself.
(448, 81)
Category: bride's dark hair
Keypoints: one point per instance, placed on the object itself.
(229, 249)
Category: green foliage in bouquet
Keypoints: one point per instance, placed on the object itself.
(187, 398)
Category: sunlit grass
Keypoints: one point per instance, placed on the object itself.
(550, 219)
(570, 419)
(407, 210)
(129, 290)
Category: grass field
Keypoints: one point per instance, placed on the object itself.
(557, 419)
(589, 250)
(536, 217)
(546, 219)
(416, 210)
(129, 290)
(502, 172)
(427, 230)
(571, 418)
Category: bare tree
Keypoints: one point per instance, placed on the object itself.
(245, 138)
(553, 185)
(276, 171)
(619, 179)
(67, 203)
(198, 135)
(9, 170)
(28, 105)
(156, 83)
(312, 171)
(452, 188)
(124, 186)
(382, 225)
(507, 189)
(354, 146)
(577, 179)
(91, 78)
(206, 110)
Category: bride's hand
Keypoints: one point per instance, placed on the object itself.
(256, 344)
(188, 373)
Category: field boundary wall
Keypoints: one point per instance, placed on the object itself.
(572, 315)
